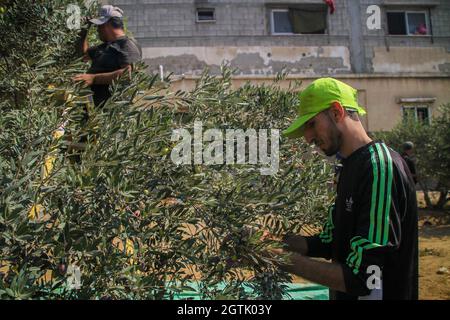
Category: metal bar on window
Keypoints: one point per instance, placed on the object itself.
(431, 25)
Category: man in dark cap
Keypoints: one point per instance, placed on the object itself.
(110, 59)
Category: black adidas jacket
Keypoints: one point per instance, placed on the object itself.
(373, 224)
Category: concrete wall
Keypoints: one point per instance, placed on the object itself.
(404, 60)
(171, 37)
(252, 60)
(176, 18)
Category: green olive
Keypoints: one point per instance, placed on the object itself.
(198, 169)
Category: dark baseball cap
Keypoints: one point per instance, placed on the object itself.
(107, 12)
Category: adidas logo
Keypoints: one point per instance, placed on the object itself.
(349, 204)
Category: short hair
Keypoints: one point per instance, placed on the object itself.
(350, 112)
(116, 22)
(408, 145)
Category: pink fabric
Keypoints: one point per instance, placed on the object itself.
(330, 4)
(422, 29)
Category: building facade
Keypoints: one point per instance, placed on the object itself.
(395, 52)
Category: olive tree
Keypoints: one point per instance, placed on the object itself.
(92, 205)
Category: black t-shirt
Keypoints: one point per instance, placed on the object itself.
(109, 57)
(373, 223)
(410, 161)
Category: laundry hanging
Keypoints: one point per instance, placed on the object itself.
(330, 4)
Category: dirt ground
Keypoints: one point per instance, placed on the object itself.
(434, 253)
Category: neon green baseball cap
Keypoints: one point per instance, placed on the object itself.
(319, 96)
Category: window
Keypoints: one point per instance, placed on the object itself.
(416, 112)
(206, 15)
(280, 22)
(408, 23)
(308, 20)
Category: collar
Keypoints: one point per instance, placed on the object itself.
(359, 151)
(117, 39)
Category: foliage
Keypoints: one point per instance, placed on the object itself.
(106, 197)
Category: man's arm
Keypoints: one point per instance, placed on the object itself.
(83, 44)
(412, 168)
(317, 246)
(101, 78)
(296, 243)
(108, 78)
(130, 55)
(327, 274)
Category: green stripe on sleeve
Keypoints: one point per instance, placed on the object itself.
(355, 248)
(353, 242)
(374, 193)
(381, 198)
(360, 253)
(388, 199)
(326, 236)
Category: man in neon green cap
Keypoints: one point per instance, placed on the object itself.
(371, 231)
(315, 102)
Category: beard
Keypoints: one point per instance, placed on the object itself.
(102, 37)
(334, 136)
(101, 33)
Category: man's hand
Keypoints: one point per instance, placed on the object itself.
(87, 78)
(276, 251)
(268, 236)
(296, 243)
(87, 22)
(231, 240)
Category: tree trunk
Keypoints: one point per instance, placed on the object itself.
(442, 199)
(426, 196)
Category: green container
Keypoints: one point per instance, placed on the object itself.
(295, 291)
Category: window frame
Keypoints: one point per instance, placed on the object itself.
(197, 20)
(272, 23)
(405, 12)
(415, 107)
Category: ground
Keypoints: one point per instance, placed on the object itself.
(434, 253)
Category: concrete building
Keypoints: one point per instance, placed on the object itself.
(395, 52)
